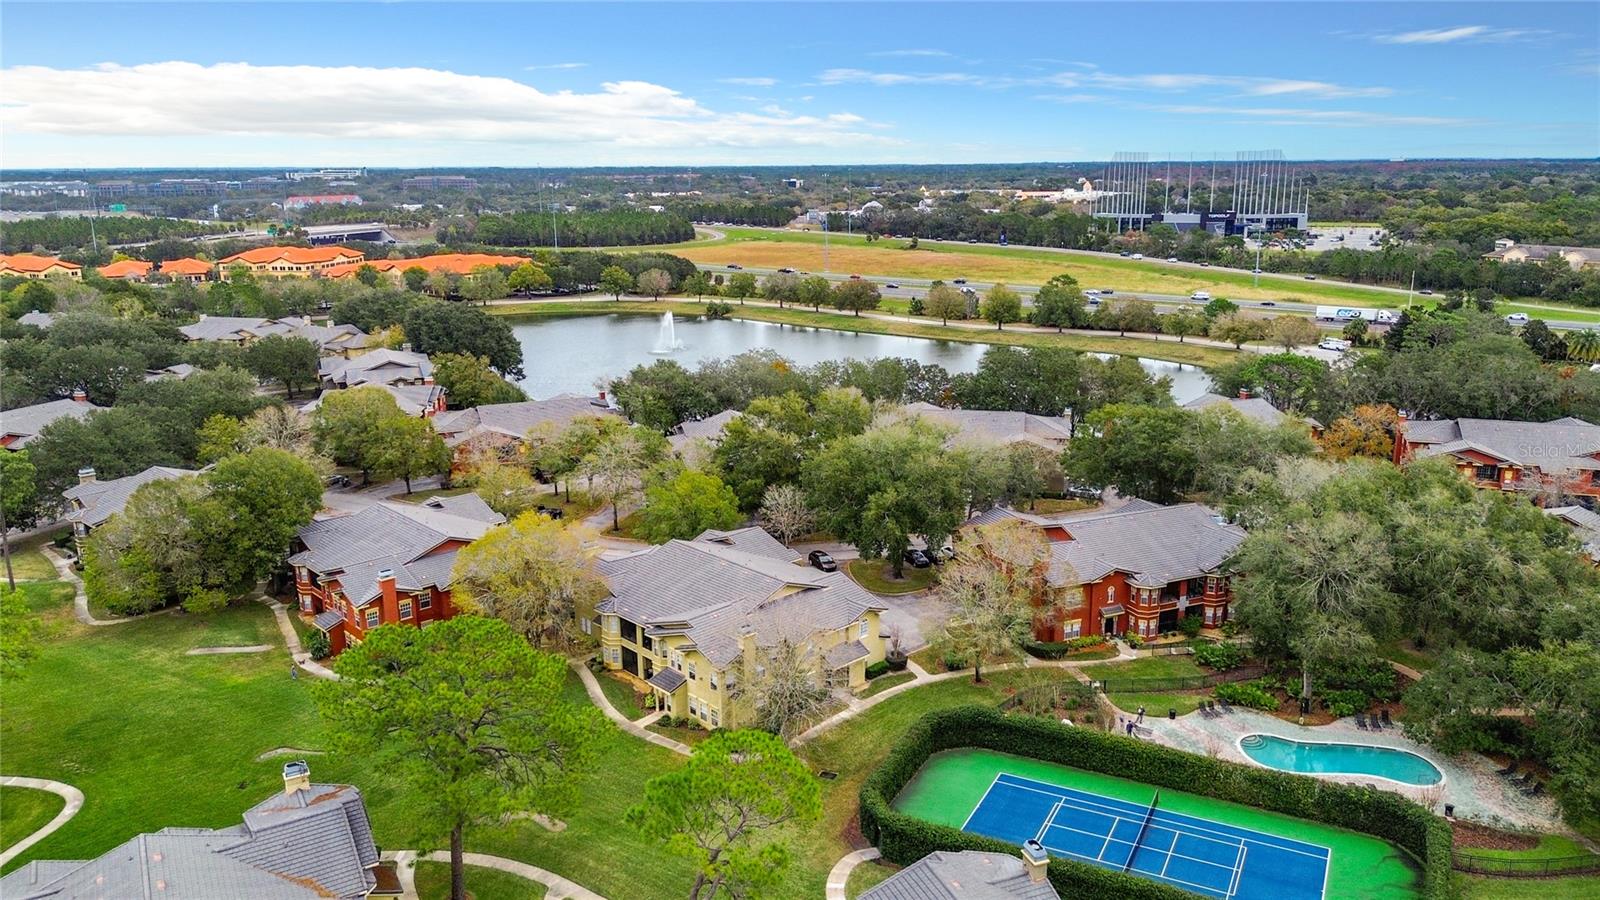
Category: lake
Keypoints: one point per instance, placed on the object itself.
(581, 354)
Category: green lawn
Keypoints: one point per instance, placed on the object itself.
(433, 883)
(868, 875)
(24, 811)
(1407, 655)
(621, 694)
(877, 576)
(1154, 704)
(884, 682)
(1474, 887)
(1551, 846)
(28, 564)
(952, 783)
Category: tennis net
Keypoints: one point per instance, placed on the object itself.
(1149, 814)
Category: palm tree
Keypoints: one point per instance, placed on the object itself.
(1584, 345)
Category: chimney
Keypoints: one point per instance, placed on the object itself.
(391, 596)
(86, 475)
(406, 347)
(1244, 393)
(296, 777)
(1035, 861)
(427, 379)
(305, 320)
(78, 396)
(202, 317)
(1401, 415)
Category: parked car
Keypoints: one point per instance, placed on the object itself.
(917, 559)
(821, 560)
(339, 481)
(944, 555)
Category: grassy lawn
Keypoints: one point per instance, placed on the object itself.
(877, 576)
(1154, 704)
(884, 682)
(867, 876)
(28, 564)
(621, 694)
(433, 883)
(1474, 887)
(24, 811)
(1190, 354)
(1551, 846)
(1407, 655)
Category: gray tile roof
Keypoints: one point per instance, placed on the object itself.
(316, 843)
(375, 367)
(239, 328)
(715, 592)
(398, 536)
(1567, 443)
(25, 422)
(842, 655)
(1250, 407)
(413, 399)
(996, 426)
(668, 680)
(1153, 546)
(963, 875)
(328, 619)
(1585, 524)
(36, 319)
(515, 420)
(179, 371)
(468, 506)
(94, 502)
(709, 428)
(227, 328)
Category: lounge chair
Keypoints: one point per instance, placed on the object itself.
(1535, 790)
(1387, 722)
(1509, 770)
(1225, 707)
(1212, 705)
(1361, 721)
(1527, 779)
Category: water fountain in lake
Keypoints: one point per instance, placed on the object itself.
(667, 339)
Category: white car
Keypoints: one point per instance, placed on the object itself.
(1091, 293)
(1517, 319)
(1200, 297)
(1334, 344)
(1137, 256)
(1172, 259)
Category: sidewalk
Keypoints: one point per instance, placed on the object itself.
(556, 887)
(80, 600)
(291, 639)
(592, 687)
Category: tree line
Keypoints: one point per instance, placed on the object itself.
(61, 233)
(610, 228)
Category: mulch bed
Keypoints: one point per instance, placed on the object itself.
(1467, 835)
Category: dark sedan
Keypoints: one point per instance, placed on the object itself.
(917, 559)
(822, 560)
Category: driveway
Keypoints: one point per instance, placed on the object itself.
(914, 617)
(355, 499)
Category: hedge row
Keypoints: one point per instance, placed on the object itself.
(905, 839)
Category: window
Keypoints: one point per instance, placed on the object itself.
(714, 719)
(1485, 473)
(1111, 593)
(425, 601)
(1070, 630)
(691, 671)
(713, 679)
(677, 661)
(372, 618)
(586, 625)
(630, 631)
(861, 630)
(694, 706)
(611, 624)
(405, 609)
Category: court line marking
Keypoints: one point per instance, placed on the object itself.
(981, 800)
(1207, 862)
(1203, 888)
(1173, 817)
(1045, 825)
(1238, 874)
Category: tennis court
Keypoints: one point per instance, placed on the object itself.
(1198, 855)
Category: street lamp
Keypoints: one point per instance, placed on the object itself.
(1255, 274)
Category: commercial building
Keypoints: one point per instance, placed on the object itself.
(697, 621)
(290, 262)
(1138, 568)
(326, 174)
(309, 842)
(187, 269)
(1507, 250)
(301, 202)
(438, 182)
(126, 269)
(29, 265)
(393, 270)
(390, 563)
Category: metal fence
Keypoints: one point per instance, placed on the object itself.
(1524, 868)
(1185, 683)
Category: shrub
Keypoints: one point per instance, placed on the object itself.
(1374, 679)
(1133, 640)
(717, 310)
(904, 839)
(1058, 649)
(1190, 626)
(953, 661)
(916, 307)
(317, 645)
(1219, 656)
(1248, 693)
(876, 669)
(1344, 703)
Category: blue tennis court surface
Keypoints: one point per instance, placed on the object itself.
(1198, 855)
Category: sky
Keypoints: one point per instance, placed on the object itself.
(511, 84)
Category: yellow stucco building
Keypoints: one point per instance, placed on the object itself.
(698, 622)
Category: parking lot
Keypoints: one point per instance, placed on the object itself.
(1328, 237)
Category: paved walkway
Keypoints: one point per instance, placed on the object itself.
(592, 686)
(291, 639)
(556, 887)
(212, 651)
(80, 600)
(839, 875)
(74, 802)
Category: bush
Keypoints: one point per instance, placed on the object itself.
(904, 839)
(916, 308)
(1133, 640)
(717, 310)
(317, 645)
(1058, 649)
(877, 668)
(954, 661)
(1248, 693)
(1374, 679)
(1190, 626)
(895, 661)
(1344, 703)
(1219, 656)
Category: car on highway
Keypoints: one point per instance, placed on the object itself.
(821, 560)
(891, 285)
(1426, 292)
(915, 558)
(735, 266)
(1255, 271)
(786, 270)
(1200, 297)
(1172, 259)
(1091, 293)
(1205, 264)
(1106, 292)
(958, 281)
(1137, 256)
(1094, 301)
(855, 277)
(1268, 303)
(1124, 253)
(1311, 278)
(1517, 319)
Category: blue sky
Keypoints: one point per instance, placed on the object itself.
(427, 84)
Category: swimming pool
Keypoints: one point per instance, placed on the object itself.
(1314, 757)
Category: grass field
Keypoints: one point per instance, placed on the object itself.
(1191, 354)
(1151, 667)
(24, 811)
(621, 694)
(868, 875)
(27, 563)
(877, 576)
(884, 682)
(1017, 265)
(1473, 887)
(433, 883)
(950, 785)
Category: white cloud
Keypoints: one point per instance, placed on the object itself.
(1327, 117)
(755, 81)
(1473, 33)
(352, 103)
(1246, 85)
(565, 65)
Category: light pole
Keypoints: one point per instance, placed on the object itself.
(1255, 273)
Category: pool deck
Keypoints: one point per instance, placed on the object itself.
(1471, 782)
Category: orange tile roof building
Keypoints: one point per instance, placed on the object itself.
(457, 263)
(187, 269)
(291, 262)
(127, 269)
(28, 265)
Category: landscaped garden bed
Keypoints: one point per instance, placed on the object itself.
(877, 576)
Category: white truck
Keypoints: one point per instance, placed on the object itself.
(1350, 313)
